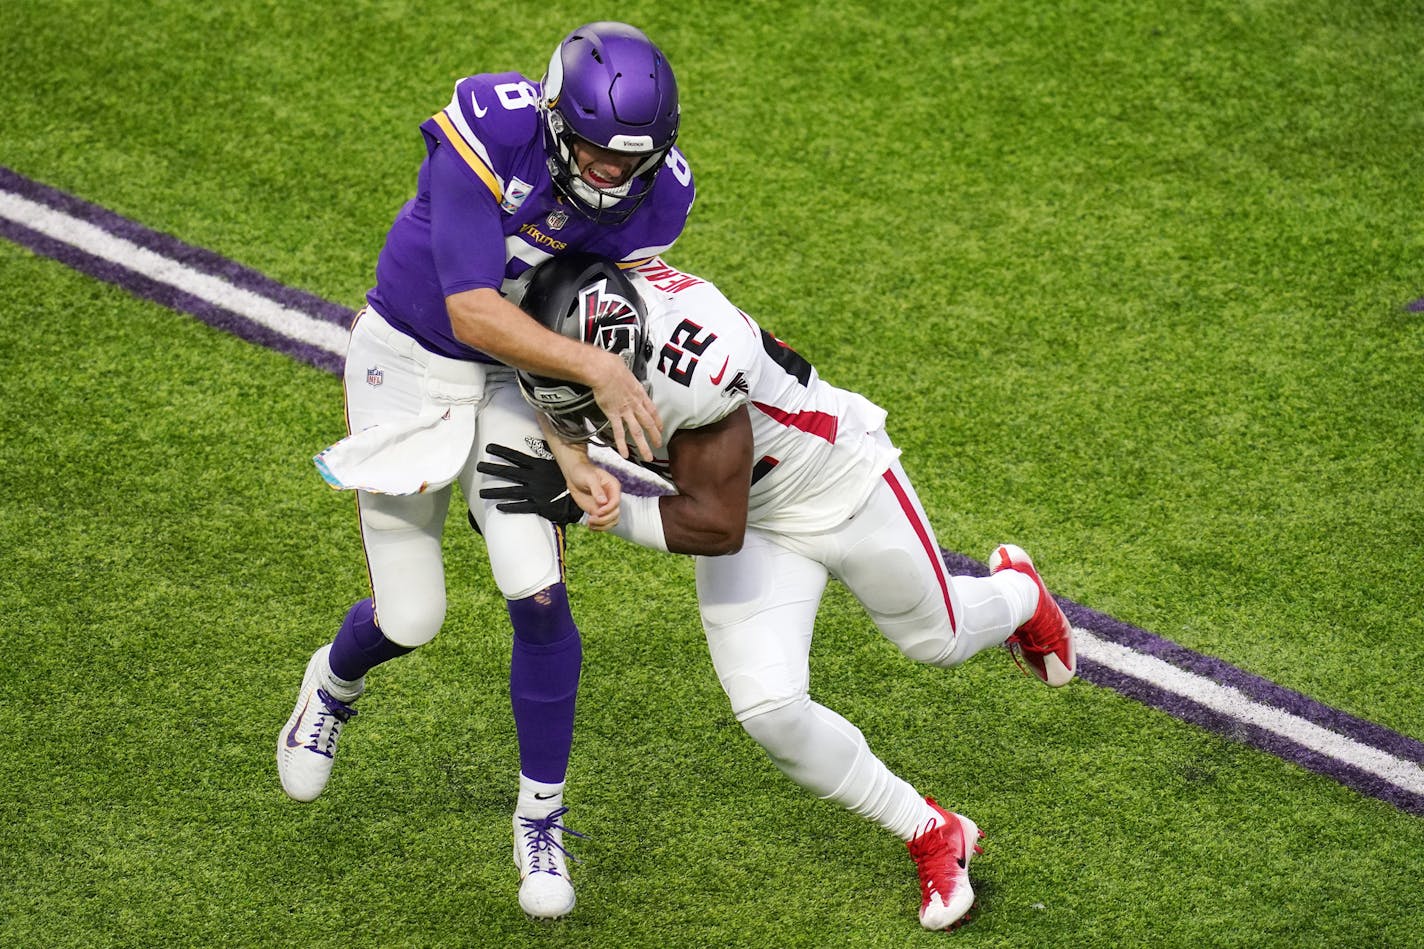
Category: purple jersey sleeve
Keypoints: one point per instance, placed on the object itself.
(465, 233)
(490, 124)
(486, 210)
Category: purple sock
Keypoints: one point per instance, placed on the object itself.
(543, 682)
(360, 645)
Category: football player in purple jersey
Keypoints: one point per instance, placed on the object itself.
(516, 172)
(778, 481)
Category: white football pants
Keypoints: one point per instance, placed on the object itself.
(759, 610)
(402, 534)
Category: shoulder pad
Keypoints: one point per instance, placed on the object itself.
(502, 109)
(705, 354)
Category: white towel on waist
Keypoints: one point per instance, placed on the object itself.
(418, 453)
(412, 456)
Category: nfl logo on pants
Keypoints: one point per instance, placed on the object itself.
(374, 376)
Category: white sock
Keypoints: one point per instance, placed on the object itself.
(867, 787)
(929, 819)
(343, 690)
(537, 799)
(1027, 594)
(993, 607)
(886, 798)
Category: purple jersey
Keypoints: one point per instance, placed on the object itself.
(486, 211)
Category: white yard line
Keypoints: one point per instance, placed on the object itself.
(1236, 704)
(128, 255)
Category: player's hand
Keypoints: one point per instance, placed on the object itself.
(597, 493)
(631, 414)
(536, 486)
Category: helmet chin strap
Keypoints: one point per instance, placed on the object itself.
(612, 205)
(600, 198)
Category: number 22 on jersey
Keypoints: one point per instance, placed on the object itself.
(678, 359)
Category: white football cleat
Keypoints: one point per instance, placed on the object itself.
(1045, 643)
(545, 890)
(306, 746)
(942, 857)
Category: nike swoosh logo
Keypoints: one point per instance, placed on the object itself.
(545, 797)
(479, 113)
(717, 379)
(292, 740)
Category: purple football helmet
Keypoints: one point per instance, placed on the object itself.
(609, 85)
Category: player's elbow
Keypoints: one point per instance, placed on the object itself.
(705, 525)
(708, 538)
(729, 529)
(726, 542)
(473, 315)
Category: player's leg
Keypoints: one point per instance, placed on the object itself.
(888, 557)
(758, 610)
(526, 557)
(401, 538)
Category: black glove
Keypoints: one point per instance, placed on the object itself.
(538, 486)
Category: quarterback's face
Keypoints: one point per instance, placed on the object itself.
(602, 167)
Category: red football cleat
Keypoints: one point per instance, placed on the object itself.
(942, 857)
(1045, 643)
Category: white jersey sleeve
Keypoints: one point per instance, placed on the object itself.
(704, 352)
(814, 461)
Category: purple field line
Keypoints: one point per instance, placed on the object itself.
(1261, 690)
(171, 297)
(1182, 707)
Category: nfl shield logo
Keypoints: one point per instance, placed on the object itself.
(374, 376)
(557, 218)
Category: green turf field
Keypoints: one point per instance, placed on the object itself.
(1132, 280)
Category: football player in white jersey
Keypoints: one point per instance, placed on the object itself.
(778, 481)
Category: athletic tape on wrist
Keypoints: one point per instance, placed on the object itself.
(641, 521)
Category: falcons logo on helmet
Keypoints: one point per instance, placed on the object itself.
(609, 320)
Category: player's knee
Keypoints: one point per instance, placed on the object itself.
(783, 729)
(543, 619)
(891, 582)
(524, 566)
(933, 647)
(411, 621)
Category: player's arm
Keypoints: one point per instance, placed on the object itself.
(566, 488)
(468, 242)
(594, 490)
(710, 466)
(712, 469)
(487, 321)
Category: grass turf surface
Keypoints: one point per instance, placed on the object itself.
(1130, 282)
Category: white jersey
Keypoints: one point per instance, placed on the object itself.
(814, 461)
